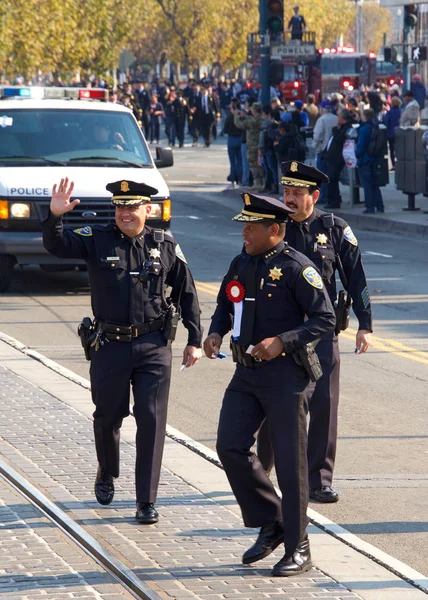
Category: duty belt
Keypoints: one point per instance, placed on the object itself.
(117, 332)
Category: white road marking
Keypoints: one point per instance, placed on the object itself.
(378, 254)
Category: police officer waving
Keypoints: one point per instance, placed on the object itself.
(129, 266)
(278, 304)
(331, 245)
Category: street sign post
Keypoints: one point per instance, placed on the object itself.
(294, 49)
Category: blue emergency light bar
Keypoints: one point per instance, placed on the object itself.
(15, 91)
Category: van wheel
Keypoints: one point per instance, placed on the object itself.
(6, 271)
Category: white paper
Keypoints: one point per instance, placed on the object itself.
(238, 307)
(249, 349)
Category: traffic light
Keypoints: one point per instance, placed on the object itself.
(410, 15)
(275, 17)
(390, 54)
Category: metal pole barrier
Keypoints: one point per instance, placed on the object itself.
(411, 202)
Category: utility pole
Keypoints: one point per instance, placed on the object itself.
(359, 37)
(264, 52)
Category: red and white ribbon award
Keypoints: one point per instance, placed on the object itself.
(235, 292)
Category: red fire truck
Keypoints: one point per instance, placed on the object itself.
(343, 69)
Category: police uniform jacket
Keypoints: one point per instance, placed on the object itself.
(291, 301)
(118, 296)
(322, 245)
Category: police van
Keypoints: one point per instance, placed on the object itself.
(50, 133)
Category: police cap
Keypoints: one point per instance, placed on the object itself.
(297, 174)
(262, 208)
(130, 193)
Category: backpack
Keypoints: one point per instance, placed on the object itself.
(378, 140)
(301, 147)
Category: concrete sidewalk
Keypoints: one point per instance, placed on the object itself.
(193, 552)
(394, 219)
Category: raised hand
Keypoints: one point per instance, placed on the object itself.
(60, 202)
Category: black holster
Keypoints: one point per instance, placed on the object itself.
(86, 332)
(172, 319)
(240, 355)
(342, 309)
(307, 358)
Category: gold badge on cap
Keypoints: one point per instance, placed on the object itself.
(322, 239)
(124, 186)
(275, 274)
(294, 167)
(247, 199)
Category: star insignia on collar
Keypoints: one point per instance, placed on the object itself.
(275, 274)
(322, 239)
(154, 253)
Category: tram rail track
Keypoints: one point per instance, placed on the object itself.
(77, 534)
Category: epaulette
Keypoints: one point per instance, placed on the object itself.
(105, 228)
(298, 257)
(169, 237)
(330, 221)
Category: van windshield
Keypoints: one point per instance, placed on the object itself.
(70, 137)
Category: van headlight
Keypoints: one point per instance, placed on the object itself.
(156, 212)
(20, 210)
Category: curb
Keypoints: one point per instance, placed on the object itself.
(382, 224)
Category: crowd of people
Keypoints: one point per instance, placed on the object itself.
(346, 129)
(261, 137)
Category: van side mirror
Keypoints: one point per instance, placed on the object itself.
(164, 157)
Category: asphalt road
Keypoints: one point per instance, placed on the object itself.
(382, 462)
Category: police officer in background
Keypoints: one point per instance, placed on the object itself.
(279, 304)
(129, 266)
(331, 245)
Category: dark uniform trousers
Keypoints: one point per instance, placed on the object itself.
(323, 398)
(274, 391)
(146, 362)
(323, 402)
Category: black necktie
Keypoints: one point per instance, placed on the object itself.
(300, 241)
(248, 317)
(136, 304)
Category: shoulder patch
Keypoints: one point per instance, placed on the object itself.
(349, 236)
(85, 231)
(179, 253)
(313, 278)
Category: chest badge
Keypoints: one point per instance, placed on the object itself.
(275, 274)
(154, 253)
(322, 239)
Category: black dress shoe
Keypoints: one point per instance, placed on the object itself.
(270, 537)
(298, 563)
(323, 493)
(104, 487)
(146, 513)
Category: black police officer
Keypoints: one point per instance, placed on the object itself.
(129, 266)
(278, 304)
(330, 244)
